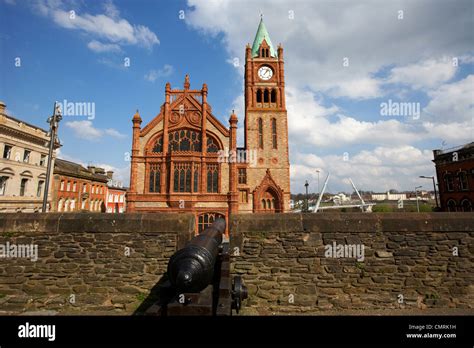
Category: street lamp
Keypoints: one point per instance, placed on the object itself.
(53, 128)
(306, 205)
(434, 186)
(416, 193)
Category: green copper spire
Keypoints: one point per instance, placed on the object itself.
(262, 33)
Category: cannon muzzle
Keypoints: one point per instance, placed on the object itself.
(191, 269)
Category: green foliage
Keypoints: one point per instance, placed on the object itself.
(382, 208)
(141, 297)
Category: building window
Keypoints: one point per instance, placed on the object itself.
(197, 168)
(266, 96)
(23, 186)
(40, 188)
(68, 186)
(7, 151)
(449, 180)
(274, 133)
(242, 175)
(463, 181)
(3, 185)
(154, 178)
(42, 160)
(260, 133)
(26, 156)
(60, 205)
(158, 147)
(84, 188)
(182, 177)
(73, 205)
(212, 177)
(184, 140)
(259, 96)
(61, 188)
(212, 145)
(207, 219)
(74, 187)
(244, 196)
(466, 205)
(83, 204)
(273, 96)
(451, 205)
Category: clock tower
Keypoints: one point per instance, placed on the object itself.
(266, 125)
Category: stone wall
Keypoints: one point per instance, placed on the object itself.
(408, 262)
(87, 262)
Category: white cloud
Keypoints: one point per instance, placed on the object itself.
(86, 130)
(453, 102)
(108, 27)
(100, 47)
(380, 170)
(153, 74)
(429, 73)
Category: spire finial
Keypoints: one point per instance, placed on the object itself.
(186, 82)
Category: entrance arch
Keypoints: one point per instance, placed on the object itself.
(268, 196)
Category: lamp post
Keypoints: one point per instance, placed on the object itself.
(53, 128)
(434, 186)
(306, 199)
(416, 193)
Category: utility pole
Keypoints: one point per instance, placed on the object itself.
(53, 128)
(416, 193)
(318, 171)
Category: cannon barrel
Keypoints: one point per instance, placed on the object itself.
(191, 268)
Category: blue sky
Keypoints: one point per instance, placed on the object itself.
(404, 51)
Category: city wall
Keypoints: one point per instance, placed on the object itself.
(292, 263)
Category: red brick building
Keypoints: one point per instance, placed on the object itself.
(115, 202)
(76, 188)
(455, 173)
(185, 160)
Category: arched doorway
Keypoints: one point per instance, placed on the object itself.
(269, 201)
(206, 219)
(451, 205)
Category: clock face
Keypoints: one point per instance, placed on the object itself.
(265, 73)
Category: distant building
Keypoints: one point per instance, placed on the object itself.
(115, 202)
(455, 173)
(23, 162)
(76, 188)
(340, 198)
(388, 196)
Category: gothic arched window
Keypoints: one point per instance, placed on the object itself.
(184, 140)
(274, 133)
(212, 177)
(273, 96)
(182, 177)
(158, 147)
(260, 133)
(212, 145)
(154, 178)
(266, 96)
(259, 96)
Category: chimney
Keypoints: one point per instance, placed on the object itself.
(91, 169)
(110, 174)
(2, 108)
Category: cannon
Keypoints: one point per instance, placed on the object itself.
(199, 281)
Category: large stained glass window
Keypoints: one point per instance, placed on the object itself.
(154, 178)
